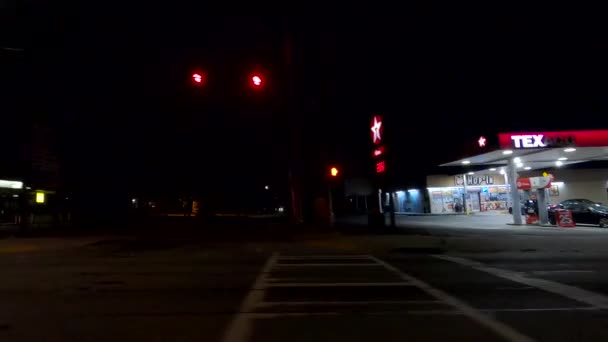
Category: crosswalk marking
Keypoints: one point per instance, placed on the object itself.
(432, 301)
(498, 327)
(597, 300)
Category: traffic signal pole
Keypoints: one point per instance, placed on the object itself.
(330, 203)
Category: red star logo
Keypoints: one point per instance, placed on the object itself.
(377, 129)
(481, 142)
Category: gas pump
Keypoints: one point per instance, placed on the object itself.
(535, 213)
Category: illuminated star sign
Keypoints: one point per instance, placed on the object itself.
(481, 141)
(377, 129)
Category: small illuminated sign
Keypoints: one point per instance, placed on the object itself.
(40, 197)
(11, 184)
(377, 129)
(566, 139)
(482, 141)
(333, 171)
(380, 167)
(378, 151)
(474, 180)
(528, 141)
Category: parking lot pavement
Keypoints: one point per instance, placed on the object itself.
(484, 224)
(476, 221)
(353, 297)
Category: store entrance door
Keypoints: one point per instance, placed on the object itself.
(473, 201)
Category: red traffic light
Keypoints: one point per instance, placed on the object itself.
(256, 80)
(198, 78)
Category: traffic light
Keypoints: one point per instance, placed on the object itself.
(256, 80)
(198, 78)
(333, 171)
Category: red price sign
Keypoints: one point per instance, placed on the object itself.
(380, 167)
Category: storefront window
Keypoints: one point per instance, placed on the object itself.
(486, 198)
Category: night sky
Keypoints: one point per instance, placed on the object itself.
(113, 79)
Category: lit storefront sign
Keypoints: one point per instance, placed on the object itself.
(378, 152)
(482, 141)
(474, 180)
(597, 138)
(11, 184)
(528, 183)
(377, 129)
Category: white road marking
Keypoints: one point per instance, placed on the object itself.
(239, 328)
(560, 271)
(595, 299)
(499, 328)
(336, 284)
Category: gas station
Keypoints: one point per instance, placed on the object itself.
(527, 162)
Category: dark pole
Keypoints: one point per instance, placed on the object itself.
(331, 204)
(392, 208)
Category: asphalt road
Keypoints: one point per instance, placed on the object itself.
(435, 286)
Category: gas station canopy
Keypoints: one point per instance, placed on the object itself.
(513, 152)
(539, 150)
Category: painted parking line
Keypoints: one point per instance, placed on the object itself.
(497, 327)
(596, 300)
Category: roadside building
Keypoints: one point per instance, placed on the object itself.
(547, 167)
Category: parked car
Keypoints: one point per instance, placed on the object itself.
(583, 211)
(527, 207)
